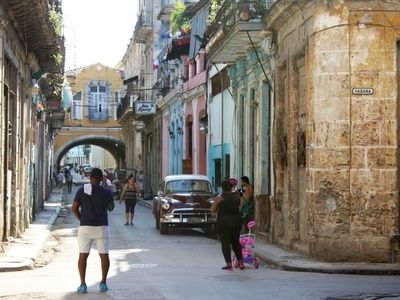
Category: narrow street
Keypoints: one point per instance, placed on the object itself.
(184, 264)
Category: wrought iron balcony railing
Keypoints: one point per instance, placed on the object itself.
(144, 26)
(229, 12)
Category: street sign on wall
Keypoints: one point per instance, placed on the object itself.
(145, 107)
(363, 91)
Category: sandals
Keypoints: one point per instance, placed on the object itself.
(228, 268)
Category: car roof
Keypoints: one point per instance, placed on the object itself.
(186, 176)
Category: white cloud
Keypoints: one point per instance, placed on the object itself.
(97, 30)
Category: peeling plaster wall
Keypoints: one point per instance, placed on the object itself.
(351, 203)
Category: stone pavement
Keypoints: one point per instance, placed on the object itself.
(22, 253)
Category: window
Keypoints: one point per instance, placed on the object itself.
(220, 82)
(188, 186)
(99, 98)
(77, 106)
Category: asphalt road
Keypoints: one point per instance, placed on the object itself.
(185, 264)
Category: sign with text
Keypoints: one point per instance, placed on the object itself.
(363, 91)
(145, 108)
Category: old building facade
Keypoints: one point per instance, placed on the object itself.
(326, 93)
(92, 118)
(335, 195)
(29, 115)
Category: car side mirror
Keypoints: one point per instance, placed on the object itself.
(160, 194)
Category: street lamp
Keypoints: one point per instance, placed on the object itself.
(203, 124)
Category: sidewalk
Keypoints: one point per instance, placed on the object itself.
(22, 253)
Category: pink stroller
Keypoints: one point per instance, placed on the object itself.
(247, 241)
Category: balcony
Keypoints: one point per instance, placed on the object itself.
(42, 35)
(166, 8)
(125, 109)
(236, 26)
(144, 26)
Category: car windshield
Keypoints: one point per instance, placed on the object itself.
(188, 186)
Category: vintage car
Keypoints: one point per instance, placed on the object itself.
(184, 201)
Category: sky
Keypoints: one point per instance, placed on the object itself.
(97, 31)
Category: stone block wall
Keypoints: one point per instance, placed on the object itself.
(347, 208)
(353, 171)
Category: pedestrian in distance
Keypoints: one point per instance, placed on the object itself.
(61, 178)
(90, 206)
(55, 177)
(140, 184)
(69, 179)
(229, 222)
(129, 195)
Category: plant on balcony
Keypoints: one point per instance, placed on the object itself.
(180, 20)
(215, 5)
(39, 107)
(58, 59)
(51, 85)
(39, 110)
(56, 20)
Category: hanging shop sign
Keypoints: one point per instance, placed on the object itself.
(145, 107)
(363, 91)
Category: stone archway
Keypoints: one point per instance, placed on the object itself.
(113, 145)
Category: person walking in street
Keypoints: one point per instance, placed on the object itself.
(140, 184)
(228, 207)
(90, 207)
(69, 180)
(129, 194)
(60, 177)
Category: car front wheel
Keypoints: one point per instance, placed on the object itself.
(210, 230)
(163, 228)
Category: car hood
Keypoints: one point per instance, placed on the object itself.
(203, 200)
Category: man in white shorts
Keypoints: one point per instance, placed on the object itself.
(90, 206)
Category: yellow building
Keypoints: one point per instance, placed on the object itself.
(92, 112)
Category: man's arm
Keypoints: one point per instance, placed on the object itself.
(75, 210)
(111, 204)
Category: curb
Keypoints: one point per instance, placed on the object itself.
(12, 263)
(305, 265)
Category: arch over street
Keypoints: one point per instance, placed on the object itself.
(113, 145)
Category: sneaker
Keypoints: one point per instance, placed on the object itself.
(103, 287)
(126, 224)
(82, 289)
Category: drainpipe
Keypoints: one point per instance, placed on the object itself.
(222, 128)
